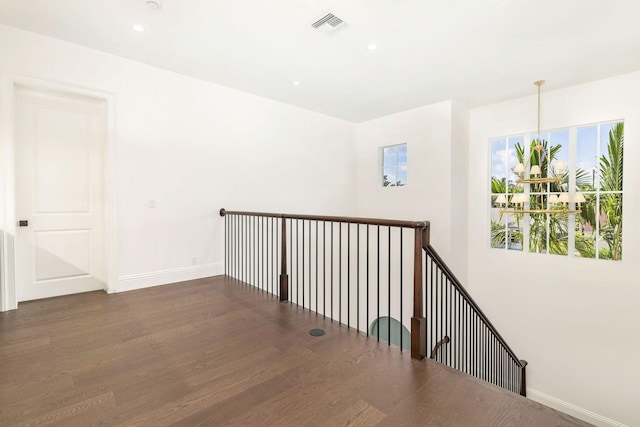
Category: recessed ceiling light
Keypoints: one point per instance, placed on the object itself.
(296, 83)
(138, 27)
(372, 46)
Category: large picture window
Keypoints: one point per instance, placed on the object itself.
(594, 155)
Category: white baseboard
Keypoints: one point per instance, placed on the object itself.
(573, 410)
(164, 277)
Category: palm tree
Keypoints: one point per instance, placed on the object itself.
(610, 169)
(558, 229)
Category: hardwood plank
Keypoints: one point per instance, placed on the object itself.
(358, 414)
(219, 352)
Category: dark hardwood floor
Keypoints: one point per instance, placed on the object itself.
(216, 352)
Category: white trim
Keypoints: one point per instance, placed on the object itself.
(573, 410)
(8, 82)
(165, 277)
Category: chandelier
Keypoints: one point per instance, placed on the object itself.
(545, 181)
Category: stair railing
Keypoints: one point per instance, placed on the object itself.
(351, 270)
(460, 334)
(355, 270)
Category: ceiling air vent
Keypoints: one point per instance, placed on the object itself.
(328, 23)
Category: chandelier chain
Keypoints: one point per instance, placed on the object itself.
(539, 83)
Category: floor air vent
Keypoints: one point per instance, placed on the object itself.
(328, 23)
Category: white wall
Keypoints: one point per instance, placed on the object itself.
(427, 195)
(459, 189)
(194, 147)
(575, 320)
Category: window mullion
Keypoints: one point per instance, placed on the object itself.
(597, 190)
(526, 218)
(572, 219)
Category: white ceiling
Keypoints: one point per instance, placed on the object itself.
(478, 51)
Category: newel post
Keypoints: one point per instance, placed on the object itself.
(523, 378)
(284, 277)
(418, 322)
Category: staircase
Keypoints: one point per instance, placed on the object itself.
(381, 277)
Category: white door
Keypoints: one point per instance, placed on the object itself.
(59, 145)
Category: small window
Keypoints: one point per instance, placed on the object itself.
(394, 165)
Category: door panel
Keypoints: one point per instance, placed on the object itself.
(62, 162)
(59, 190)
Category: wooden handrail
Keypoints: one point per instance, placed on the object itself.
(439, 344)
(441, 264)
(347, 219)
(421, 228)
(421, 247)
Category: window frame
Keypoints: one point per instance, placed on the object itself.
(571, 220)
(382, 167)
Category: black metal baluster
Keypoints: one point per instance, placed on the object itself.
(427, 303)
(474, 352)
(486, 351)
(479, 353)
(317, 267)
(433, 316)
(303, 263)
(447, 314)
(332, 272)
(325, 264)
(358, 279)
(496, 361)
(378, 281)
(479, 343)
(265, 254)
(348, 275)
(454, 326)
(492, 359)
(367, 325)
(291, 260)
(449, 321)
(272, 251)
(253, 261)
(244, 230)
(298, 264)
(469, 339)
(467, 322)
(402, 286)
(502, 365)
(483, 351)
(340, 273)
(247, 234)
(244, 250)
(459, 332)
(441, 298)
(500, 360)
(275, 258)
(389, 285)
(259, 253)
(309, 265)
(256, 284)
(492, 362)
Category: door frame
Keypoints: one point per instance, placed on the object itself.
(8, 85)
